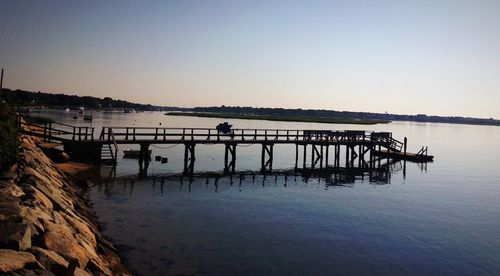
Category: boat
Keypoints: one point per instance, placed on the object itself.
(130, 153)
(88, 118)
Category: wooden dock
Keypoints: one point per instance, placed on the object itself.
(326, 148)
(413, 157)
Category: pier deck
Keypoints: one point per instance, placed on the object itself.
(82, 142)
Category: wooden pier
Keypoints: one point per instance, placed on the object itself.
(326, 148)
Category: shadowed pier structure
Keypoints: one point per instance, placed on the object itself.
(327, 149)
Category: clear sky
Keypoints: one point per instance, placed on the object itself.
(434, 57)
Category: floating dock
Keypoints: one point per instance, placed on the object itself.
(408, 156)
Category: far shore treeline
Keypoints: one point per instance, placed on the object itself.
(23, 98)
(62, 101)
(322, 113)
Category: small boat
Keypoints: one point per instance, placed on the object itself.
(66, 110)
(88, 118)
(130, 153)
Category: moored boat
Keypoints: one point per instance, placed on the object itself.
(131, 153)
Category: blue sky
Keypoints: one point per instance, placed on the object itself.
(433, 57)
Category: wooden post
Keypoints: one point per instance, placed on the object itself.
(45, 132)
(404, 145)
(226, 152)
(233, 158)
(267, 149)
(305, 157)
(185, 157)
(50, 132)
(326, 157)
(335, 156)
(347, 156)
(404, 169)
(189, 158)
(193, 158)
(371, 156)
(143, 159)
(312, 156)
(321, 156)
(263, 157)
(271, 156)
(359, 157)
(1, 86)
(296, 153)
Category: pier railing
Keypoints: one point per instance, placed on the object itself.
(52, 131)
(114, 135)
(200, 135)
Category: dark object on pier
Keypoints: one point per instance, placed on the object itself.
(224, 128)
(157, 158)
(164, 160)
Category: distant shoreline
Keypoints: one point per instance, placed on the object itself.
(20, 98)
(282, 118)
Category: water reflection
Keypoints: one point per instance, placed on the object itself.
(108, 182)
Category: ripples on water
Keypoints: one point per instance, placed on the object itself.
(442, 218)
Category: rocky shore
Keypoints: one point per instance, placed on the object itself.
(46, 225)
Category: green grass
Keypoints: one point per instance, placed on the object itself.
(307, 119)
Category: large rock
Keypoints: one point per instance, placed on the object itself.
(31, 272)
(59, 238)
(39, 198)
(82, 229)
(10, 189)
(56, 155)
(39, 203)
(10, 209)
(15, 235)
(50, 259)
(55, 195)
(37, 218)
(11, 260)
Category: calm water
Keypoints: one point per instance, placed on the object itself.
(440, 219)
